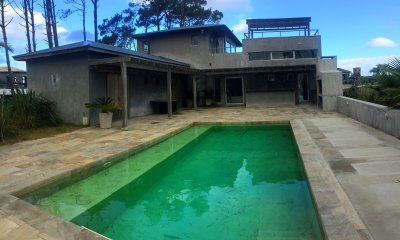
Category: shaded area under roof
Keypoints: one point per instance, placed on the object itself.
(278, 24)
(93, 46)
(219, 27)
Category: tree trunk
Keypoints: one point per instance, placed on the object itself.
(27, 28)
(54, 22)
(96, 37)
(32, 16)
(47, 18)
(84, 19)
(3, 26)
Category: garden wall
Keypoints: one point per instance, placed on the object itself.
(375, 115)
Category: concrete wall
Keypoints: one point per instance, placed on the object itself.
(97, 88)
(241, 60)
(282, 44)
(270, 99)
(377, 116)
(178, 46)
(63, 80)
(141, 92)
(331, 81)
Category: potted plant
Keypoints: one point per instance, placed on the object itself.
(106, 106)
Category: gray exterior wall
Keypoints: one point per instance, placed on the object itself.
(178, 47)
(332, 83)
(282, 44)
(377, 116)
(141, 92)
(63, 80)
(97, 88)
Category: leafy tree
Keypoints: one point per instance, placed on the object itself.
(144, 20)
(119, 29)
(191, 12)
(379, 69)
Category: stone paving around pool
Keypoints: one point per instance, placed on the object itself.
(349, 164)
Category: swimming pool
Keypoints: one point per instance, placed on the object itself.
(207, 182)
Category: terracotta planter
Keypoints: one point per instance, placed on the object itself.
(105, 120)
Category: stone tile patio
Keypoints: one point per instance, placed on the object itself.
(333, 148)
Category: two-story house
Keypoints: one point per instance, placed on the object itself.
(279, 62)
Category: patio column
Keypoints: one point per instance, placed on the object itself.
(194, 81)
(124, 78)
(169, 93)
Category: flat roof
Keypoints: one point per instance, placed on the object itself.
(218, 27)
(95, 46)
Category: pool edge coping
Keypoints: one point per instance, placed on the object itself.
(338, 217)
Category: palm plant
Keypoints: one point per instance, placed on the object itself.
(105, 104)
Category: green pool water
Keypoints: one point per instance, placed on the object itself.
(208, 182)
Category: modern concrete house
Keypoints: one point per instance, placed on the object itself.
(278, 63)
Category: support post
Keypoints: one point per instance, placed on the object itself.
(124, 78)
(194, 81)
(169, 93)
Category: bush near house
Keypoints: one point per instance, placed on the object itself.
(386, 90)
(26, 111)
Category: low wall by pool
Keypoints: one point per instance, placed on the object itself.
(375, 115)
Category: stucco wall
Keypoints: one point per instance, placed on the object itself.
(63, 80)
(377, 116)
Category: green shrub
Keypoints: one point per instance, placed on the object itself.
(28, 110)
(24, 111)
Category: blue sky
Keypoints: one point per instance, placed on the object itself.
(360, 32)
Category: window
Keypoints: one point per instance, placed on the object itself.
(146, 47)
(195, 40)
(253, 56)
(282, 55)
(306, 54)
(229, 47)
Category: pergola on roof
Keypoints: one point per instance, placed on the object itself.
(279, 24)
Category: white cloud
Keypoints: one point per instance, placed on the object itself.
(366, 63)
(241, 27)
(227, 5)
(381, 42)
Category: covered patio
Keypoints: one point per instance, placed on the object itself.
(122, 70)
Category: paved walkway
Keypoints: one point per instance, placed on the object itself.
(354, 151)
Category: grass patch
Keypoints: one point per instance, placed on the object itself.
(40, 132)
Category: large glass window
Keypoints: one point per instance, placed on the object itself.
(306, 54)
(253, 56)
(282, 55)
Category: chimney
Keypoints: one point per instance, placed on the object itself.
(218, 17)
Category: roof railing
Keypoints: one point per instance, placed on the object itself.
(281, 33)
